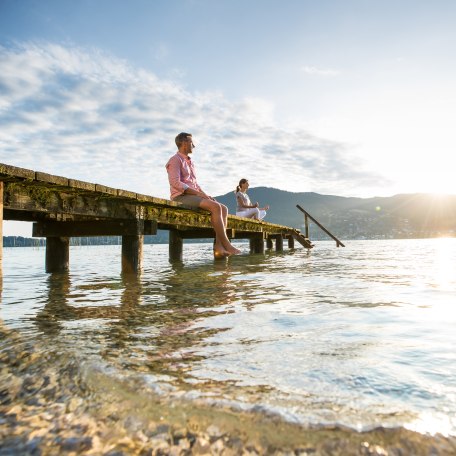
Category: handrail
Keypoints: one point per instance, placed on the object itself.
(338, 242)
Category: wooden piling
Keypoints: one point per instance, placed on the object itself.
(176, 244)
(257, 244)
(269, 243)
(132, 253)
(279, 243)
(306, 226)
(57, 254)
(290, 242)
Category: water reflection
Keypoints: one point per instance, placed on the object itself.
(49, 319)
(63, 302)
(156, 322)
(151, 319)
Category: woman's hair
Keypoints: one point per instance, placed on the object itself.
(242, 181)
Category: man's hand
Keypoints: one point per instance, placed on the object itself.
(207, 196)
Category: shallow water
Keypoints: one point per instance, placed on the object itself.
(361, 337)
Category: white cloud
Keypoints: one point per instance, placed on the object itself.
(87, 115)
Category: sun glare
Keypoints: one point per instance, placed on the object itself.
(439, 179)
(444, 271)
(442, 190)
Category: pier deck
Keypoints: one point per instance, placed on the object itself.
(62, 208)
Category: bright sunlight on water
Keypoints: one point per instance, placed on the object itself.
(361, 337)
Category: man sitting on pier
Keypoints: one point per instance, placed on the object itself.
(185, 189)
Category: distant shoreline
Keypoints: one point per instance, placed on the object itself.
(20, 241)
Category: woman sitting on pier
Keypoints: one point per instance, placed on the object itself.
(245, 208)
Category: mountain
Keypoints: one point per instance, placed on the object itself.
(399, 216)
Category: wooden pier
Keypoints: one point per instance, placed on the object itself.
(62, 208)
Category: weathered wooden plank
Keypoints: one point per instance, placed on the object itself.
(94, 228)
(103, 189)
(23, 216)
(81, 185)
(145, 199)
(240, 234)
(173, 217)
(46, 200)
(125, 194)
(8, 171)
(266, 225)
(51, 179)
(202, 233)
(180, 218)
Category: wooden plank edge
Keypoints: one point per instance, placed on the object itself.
(9, 171)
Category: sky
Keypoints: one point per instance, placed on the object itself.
(348, 98)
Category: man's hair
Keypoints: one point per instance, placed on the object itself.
(181, 137)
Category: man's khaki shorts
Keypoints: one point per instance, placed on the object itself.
(189, 200)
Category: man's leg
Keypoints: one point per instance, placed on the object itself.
(224, 215)
(218, 216)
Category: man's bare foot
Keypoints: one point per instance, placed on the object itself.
(220, 251)
(233, 251)
(221, 254)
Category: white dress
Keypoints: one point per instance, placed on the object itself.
(251, 212)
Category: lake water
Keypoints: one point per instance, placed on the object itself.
(356, 338)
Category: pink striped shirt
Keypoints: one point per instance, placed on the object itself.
(181, 174)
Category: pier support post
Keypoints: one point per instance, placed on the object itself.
(269, 244)
(132, 252)
(257, 244)
(279, 243)
(57, 254)
(176, 244)
(290, 242)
